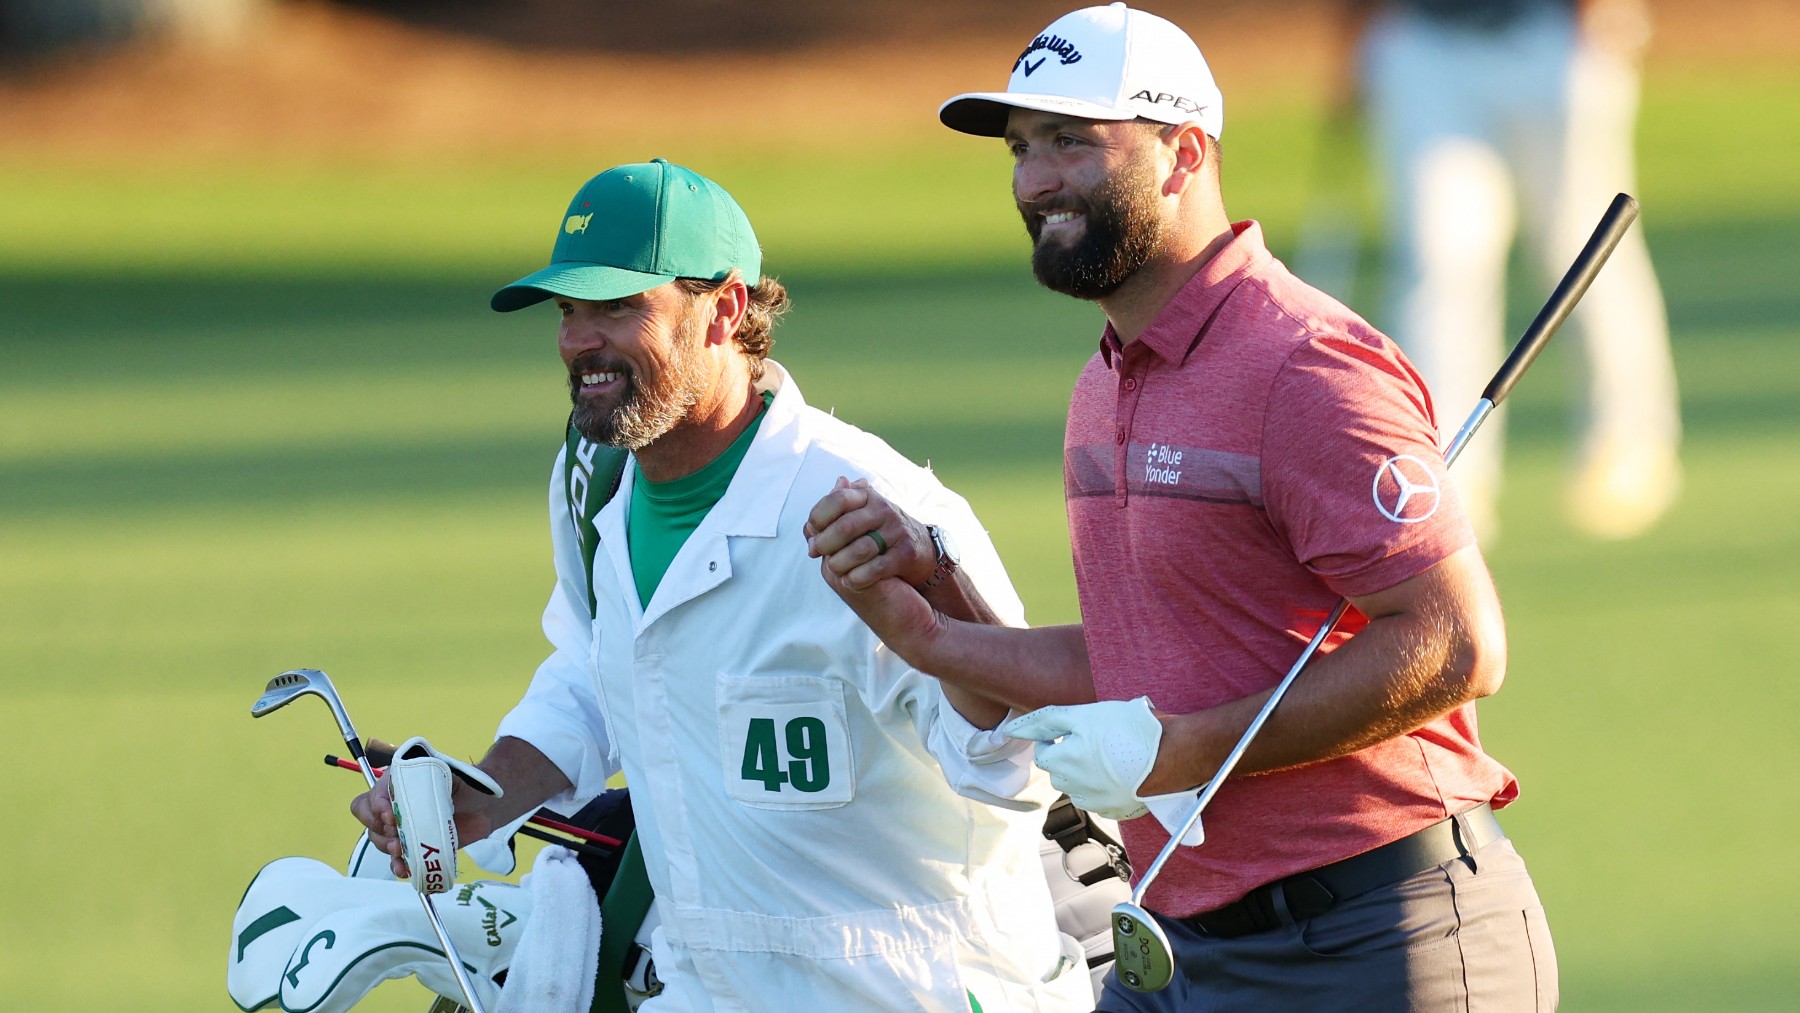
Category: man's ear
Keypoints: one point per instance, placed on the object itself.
(729, 303)
(1192, 151)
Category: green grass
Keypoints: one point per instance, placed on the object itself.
(255, 418)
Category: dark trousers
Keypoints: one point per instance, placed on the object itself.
(1466, 936)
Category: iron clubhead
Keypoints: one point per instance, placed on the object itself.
(291, 685)
(295, 683)
(1141, 954)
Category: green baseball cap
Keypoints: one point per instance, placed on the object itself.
(638, 226)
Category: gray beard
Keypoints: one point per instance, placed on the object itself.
(645, 412)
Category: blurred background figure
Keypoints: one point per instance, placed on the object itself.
(1485, 114)
(34, 29)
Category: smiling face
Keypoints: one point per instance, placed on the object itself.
(637, 365)
(1091, 197)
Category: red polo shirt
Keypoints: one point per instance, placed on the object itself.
(1259, 453)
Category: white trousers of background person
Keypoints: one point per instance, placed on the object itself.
(1464, 120)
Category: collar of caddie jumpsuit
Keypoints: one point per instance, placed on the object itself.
(752, 502)
(1177, 330)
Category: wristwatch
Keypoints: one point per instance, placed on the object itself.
(948, 559)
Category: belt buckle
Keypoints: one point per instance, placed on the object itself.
(1462, 835)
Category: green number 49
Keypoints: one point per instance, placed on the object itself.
(808, 767)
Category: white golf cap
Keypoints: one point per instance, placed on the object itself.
(1101, 63)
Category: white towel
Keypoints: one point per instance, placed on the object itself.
(554, 966)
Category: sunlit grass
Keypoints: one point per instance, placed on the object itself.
(252, 418)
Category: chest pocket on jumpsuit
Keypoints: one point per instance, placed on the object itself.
(784, 741)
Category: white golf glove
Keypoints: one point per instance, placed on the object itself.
(420, 782)
(1172, 811)
(1105, 751)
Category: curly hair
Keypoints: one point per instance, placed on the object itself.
(768, 301)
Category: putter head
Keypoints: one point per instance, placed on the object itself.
(1141, 955)
(291, 685)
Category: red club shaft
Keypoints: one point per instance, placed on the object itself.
(539, 819)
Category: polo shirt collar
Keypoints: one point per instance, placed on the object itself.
(1180, 325)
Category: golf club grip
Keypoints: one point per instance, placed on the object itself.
(1618, 218)
(381, 754)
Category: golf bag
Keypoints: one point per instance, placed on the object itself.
(306, 936)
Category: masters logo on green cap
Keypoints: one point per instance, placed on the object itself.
(638, 226)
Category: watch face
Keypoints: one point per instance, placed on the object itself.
(946, 544)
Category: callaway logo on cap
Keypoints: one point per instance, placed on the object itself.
(634, 227)
(1100, 63)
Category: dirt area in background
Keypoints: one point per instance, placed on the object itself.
(316, 80)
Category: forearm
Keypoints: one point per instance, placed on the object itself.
(948, 631)
(958, 598)
(527, 776)
(1342, 702)
(1414, 662)
(1022, 669)
(980, 711)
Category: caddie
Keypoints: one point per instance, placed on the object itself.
(1242, 452)
(823, 826)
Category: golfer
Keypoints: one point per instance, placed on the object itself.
(1241, 452)
(824, 827)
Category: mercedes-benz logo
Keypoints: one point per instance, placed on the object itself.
(1405, 489)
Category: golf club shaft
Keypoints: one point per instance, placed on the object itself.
(540, 819)
(1618, 218)
(566, 842)
(361, 763)
(354, 743)
(450, 954)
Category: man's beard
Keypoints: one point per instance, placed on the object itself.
(1121, 232)
(646, 410)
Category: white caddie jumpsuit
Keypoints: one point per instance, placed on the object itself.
(822, 830)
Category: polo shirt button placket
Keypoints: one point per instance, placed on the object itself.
(1119, 465)
(1127, 410)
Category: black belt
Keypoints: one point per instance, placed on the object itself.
(1310, 894)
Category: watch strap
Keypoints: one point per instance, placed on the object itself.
(945, 564)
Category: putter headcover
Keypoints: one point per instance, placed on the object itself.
(420, 781)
